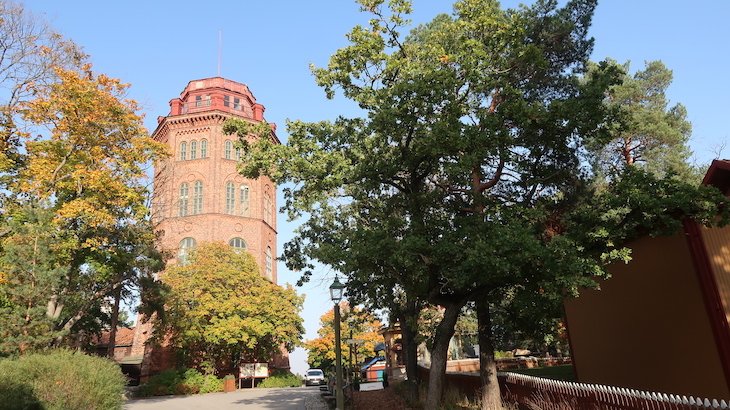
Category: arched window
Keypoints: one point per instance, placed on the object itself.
(193, 149)
(238, 244)
(230, 198)
(268, 208)
(228, 149)
(238, 153)
(269, 264)
(183, 210)
(186, 245)
(183, 150)
(244, 200)
(198, 198)
(203, 148)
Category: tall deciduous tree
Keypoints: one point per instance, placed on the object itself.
(357, 324)
(460, 182)
(88, 172)
(220, 309)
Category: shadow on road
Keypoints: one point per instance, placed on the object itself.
(277, 398)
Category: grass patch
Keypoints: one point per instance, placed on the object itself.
(564, 372)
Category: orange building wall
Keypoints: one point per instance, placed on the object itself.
(647, 327)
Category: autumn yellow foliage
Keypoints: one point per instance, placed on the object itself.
(357, 324)
(91, 164)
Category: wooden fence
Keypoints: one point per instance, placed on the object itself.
(550, 394)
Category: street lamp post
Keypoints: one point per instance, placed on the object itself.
(336, 291)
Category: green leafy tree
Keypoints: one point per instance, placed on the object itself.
(465, 116)
(465, 179)
(649, 133)
(219, 309)
(357, 324)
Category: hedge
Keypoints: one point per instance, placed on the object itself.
(61, 379)
(184, 381)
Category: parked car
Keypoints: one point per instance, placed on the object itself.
(314, 377)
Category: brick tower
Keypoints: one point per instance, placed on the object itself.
(200, 197)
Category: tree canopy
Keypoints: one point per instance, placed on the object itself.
(31, 51)
(648, 132)
(220, 309)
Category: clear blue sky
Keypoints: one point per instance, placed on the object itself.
(158, 46)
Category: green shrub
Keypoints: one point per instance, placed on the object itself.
(281, 378)
(192, 382)
(162, 384)
(60, 379)
(185, 381)
(211, 384)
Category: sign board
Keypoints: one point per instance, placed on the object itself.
(371, 386)
(251, 370)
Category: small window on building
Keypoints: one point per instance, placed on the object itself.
(226, 100)
(230, 198)
(203, 148)
(183, 253)
(228, 149)
(238, 244)
(268, 208)
(183, 202)
(183, 151)
(198, 100)
(238, 153)
(193, 149)
(198, 198)
(236, 104)
(269, 264)
(244, 200)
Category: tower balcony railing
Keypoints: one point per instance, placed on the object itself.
(215, 103)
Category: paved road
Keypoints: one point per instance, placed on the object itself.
(244, 399)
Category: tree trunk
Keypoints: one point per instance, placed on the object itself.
(409, 331)
(437, 374)
(408, 318)
(491, 398)
(113, 323)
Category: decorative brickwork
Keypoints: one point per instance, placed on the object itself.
(199, 194)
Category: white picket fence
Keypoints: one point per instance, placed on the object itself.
(558, 394)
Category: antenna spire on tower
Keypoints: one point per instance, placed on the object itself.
(220, 50)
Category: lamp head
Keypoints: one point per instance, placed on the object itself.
(336, 290)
